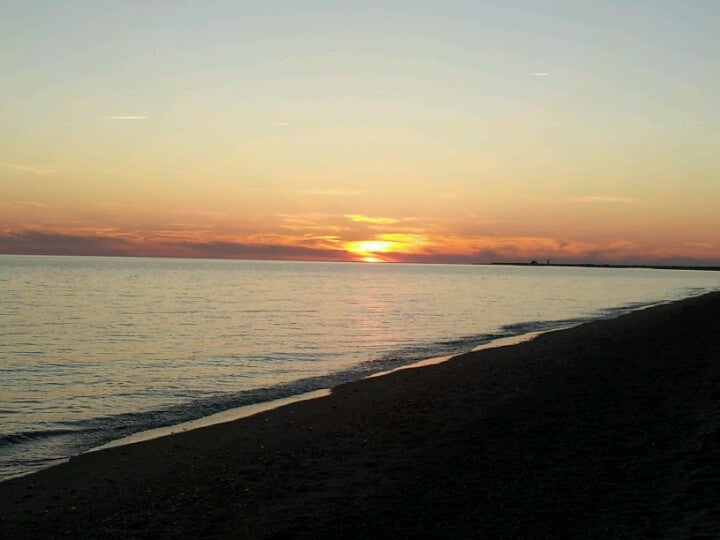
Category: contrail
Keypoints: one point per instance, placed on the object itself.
(124, 117)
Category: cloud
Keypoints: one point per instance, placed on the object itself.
(604, 199)
(244, 250)
(395, 247)
(34, 204)
(404, 238)
(124, 117)
(41, 171)
(359, 218)
(331, 192)
(540, 74)
(33, 242)
(111, 242)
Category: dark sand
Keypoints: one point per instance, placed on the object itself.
(610, 429)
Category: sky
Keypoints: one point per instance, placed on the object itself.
(437, 131)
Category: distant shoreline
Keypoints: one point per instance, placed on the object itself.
(591, 265)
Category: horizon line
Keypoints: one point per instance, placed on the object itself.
(532, 263)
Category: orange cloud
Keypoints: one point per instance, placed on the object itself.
(388, 247)
(359, 218)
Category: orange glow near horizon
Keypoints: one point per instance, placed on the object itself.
(368, 250)
(302, 242)
(370, 246)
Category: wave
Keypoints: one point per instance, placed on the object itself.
(22, 437)
(99, 430)
(79, 436)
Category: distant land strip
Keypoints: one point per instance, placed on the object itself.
(590, 265)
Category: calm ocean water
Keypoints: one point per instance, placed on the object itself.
(93, 349)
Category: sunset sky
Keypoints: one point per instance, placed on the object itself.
(453, 131)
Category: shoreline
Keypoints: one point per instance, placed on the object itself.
(607, 426)
(238, 413)
(244, 411)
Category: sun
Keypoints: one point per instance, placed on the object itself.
(380, 250)
(367, 250)
(370, 246)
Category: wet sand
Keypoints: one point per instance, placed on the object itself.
(610, 429)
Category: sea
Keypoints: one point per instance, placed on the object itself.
(94, 349)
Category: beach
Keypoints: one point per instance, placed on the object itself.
(608, 429)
